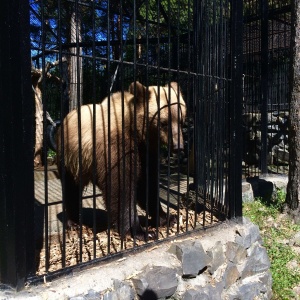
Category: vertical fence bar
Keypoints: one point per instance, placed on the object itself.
(94, 164)
(235, 111)
(64, 108)
(199, 127)
(108, 180)
(77, 24)
(264, 84)
(157, 167)
(197, 69)
(16, 144)
(44, 101)
(147, 26)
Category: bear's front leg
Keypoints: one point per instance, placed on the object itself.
(124, 213)
(121, 197)
(71, 200)
(149, 197)
(158, 216)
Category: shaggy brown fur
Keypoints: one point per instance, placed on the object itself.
(124, 125)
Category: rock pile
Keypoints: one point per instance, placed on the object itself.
(238, 269)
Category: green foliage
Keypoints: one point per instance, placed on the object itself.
(284, 278)
(278, 199)
(178, 13)
(276, 230)
(254, 7)
(51, 154)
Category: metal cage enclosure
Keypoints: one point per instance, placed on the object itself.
(145, 166)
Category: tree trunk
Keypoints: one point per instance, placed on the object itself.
(66, 93)
(37, 79)
(75, 62)
(38, 125)
(293, 188)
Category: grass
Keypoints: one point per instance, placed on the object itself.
(277, 229)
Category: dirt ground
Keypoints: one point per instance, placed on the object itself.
(96, 241)
(83, 246)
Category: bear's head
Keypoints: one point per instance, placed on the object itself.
(166, 111)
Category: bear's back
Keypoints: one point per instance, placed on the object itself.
(116, 110)
(109, 129)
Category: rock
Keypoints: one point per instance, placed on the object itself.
(217, 256)
(231, 275)
(141, 284)
(235, 252)
(247, 235)
(123, 290)
(266, 278)
(185, 284)
(92, 295)
(110, 296)
(266, 186)
(292, 265)
(160, 280)
(200, 280)
(218, 275)
(295, 241)
(278, 181)
(262, 187)
(247, 192)
(257, 262)
(193, 258)
(77, 298)
(205, 293)
(218, 289)
(191, 295)
(149, 295)
(249, 289)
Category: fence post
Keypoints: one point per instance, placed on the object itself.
(16, 146)
(264, 85)
(235, 111)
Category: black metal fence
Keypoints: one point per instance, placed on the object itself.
(124, 157)
(267, 27)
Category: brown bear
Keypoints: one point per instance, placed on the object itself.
(128, 128)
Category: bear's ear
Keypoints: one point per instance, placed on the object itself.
(138, 90)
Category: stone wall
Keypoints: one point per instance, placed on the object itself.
(224, 262)
(236, 269)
